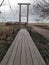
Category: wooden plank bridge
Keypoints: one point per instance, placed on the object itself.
(23, 51)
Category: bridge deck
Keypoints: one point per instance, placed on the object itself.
(23, 51)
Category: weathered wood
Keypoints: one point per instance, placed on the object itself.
(23, 3)
(27, 13)
(20, 4)
(23, 51)
(20, 14)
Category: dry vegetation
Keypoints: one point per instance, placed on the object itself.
(7, 34)
(41, 42)
(44, 27)
(43, 24)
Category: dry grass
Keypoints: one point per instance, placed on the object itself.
(32, 24)
(7, 35)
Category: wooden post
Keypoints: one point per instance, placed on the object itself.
(19, 13)
(27, 13)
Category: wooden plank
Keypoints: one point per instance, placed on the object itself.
(10, 62)
(23, 51)
(34, 60)
(23, 62)
(17, 60)
(37, 58)
(8, 54)
(28, 55)
(23, 3)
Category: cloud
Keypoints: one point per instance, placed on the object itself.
(12, 14)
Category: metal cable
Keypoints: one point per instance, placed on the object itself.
(11, 8)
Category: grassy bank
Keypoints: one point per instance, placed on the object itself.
(42, 26)
(7, 35)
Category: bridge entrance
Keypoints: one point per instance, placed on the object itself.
(20, 6)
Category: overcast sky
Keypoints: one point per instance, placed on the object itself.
(13, 13)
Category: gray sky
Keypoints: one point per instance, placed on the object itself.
(13, 13)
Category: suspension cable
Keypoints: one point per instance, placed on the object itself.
(11, 8)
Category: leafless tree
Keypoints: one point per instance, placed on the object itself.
(41, 6)
(1, 3)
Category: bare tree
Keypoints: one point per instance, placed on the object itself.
(1, 3)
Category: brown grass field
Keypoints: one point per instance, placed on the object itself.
(8, 33)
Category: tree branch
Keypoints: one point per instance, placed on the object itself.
(1, 3)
